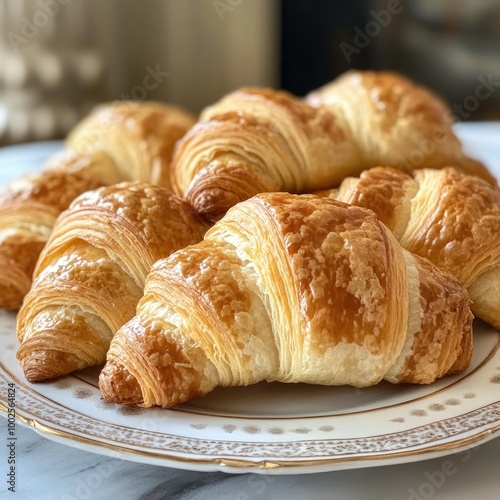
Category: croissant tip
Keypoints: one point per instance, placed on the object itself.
(117, 385)
(10, 297)
(40, 365)
(35, 371)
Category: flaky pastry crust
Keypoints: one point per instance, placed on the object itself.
(446, 216)
(288, 288)
(260, 140)
(120, 141)
(91, 273)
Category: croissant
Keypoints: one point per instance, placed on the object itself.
(288, 288)
(117, 142)
(451, 218)
(91, 273)
(138, 137)
(396, 122)
(260, 140)
(28, 210)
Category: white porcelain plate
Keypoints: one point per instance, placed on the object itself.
(274, 428)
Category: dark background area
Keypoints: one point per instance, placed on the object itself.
(449, 45)
(311, 34)
(55, 65)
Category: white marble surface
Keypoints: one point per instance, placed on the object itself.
(48, 470)
(51, 471)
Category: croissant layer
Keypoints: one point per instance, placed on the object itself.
(260, 140)
(293, 289)
(448, 217)
(117, 142)
(91, 274)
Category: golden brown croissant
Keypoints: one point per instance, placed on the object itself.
(91, 273)
(288, 288)
(117, 142)
(260, 140)
(139, 138)
(396, 122)
(451, 218)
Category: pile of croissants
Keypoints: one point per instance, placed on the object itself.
(340, 238)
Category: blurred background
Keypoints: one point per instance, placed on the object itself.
(59, 58)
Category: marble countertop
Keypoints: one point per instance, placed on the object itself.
(49, 470)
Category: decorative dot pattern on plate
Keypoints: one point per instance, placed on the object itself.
(469, 395)
(327, 428)
(275, 430)
(63, 384)
(495, 379)
(419, 413)
(131, 410)
(301, 430)
(82, 393)
(105, 405)
(437, 407)
(198, 427)
(398, 420)
(452, 402)
(252, 429)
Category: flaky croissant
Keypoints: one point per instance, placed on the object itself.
(91, 273)
(138, 137)
(396, 122)
(451, 218)
(288, 288)
(260, 140)
(118, 142)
